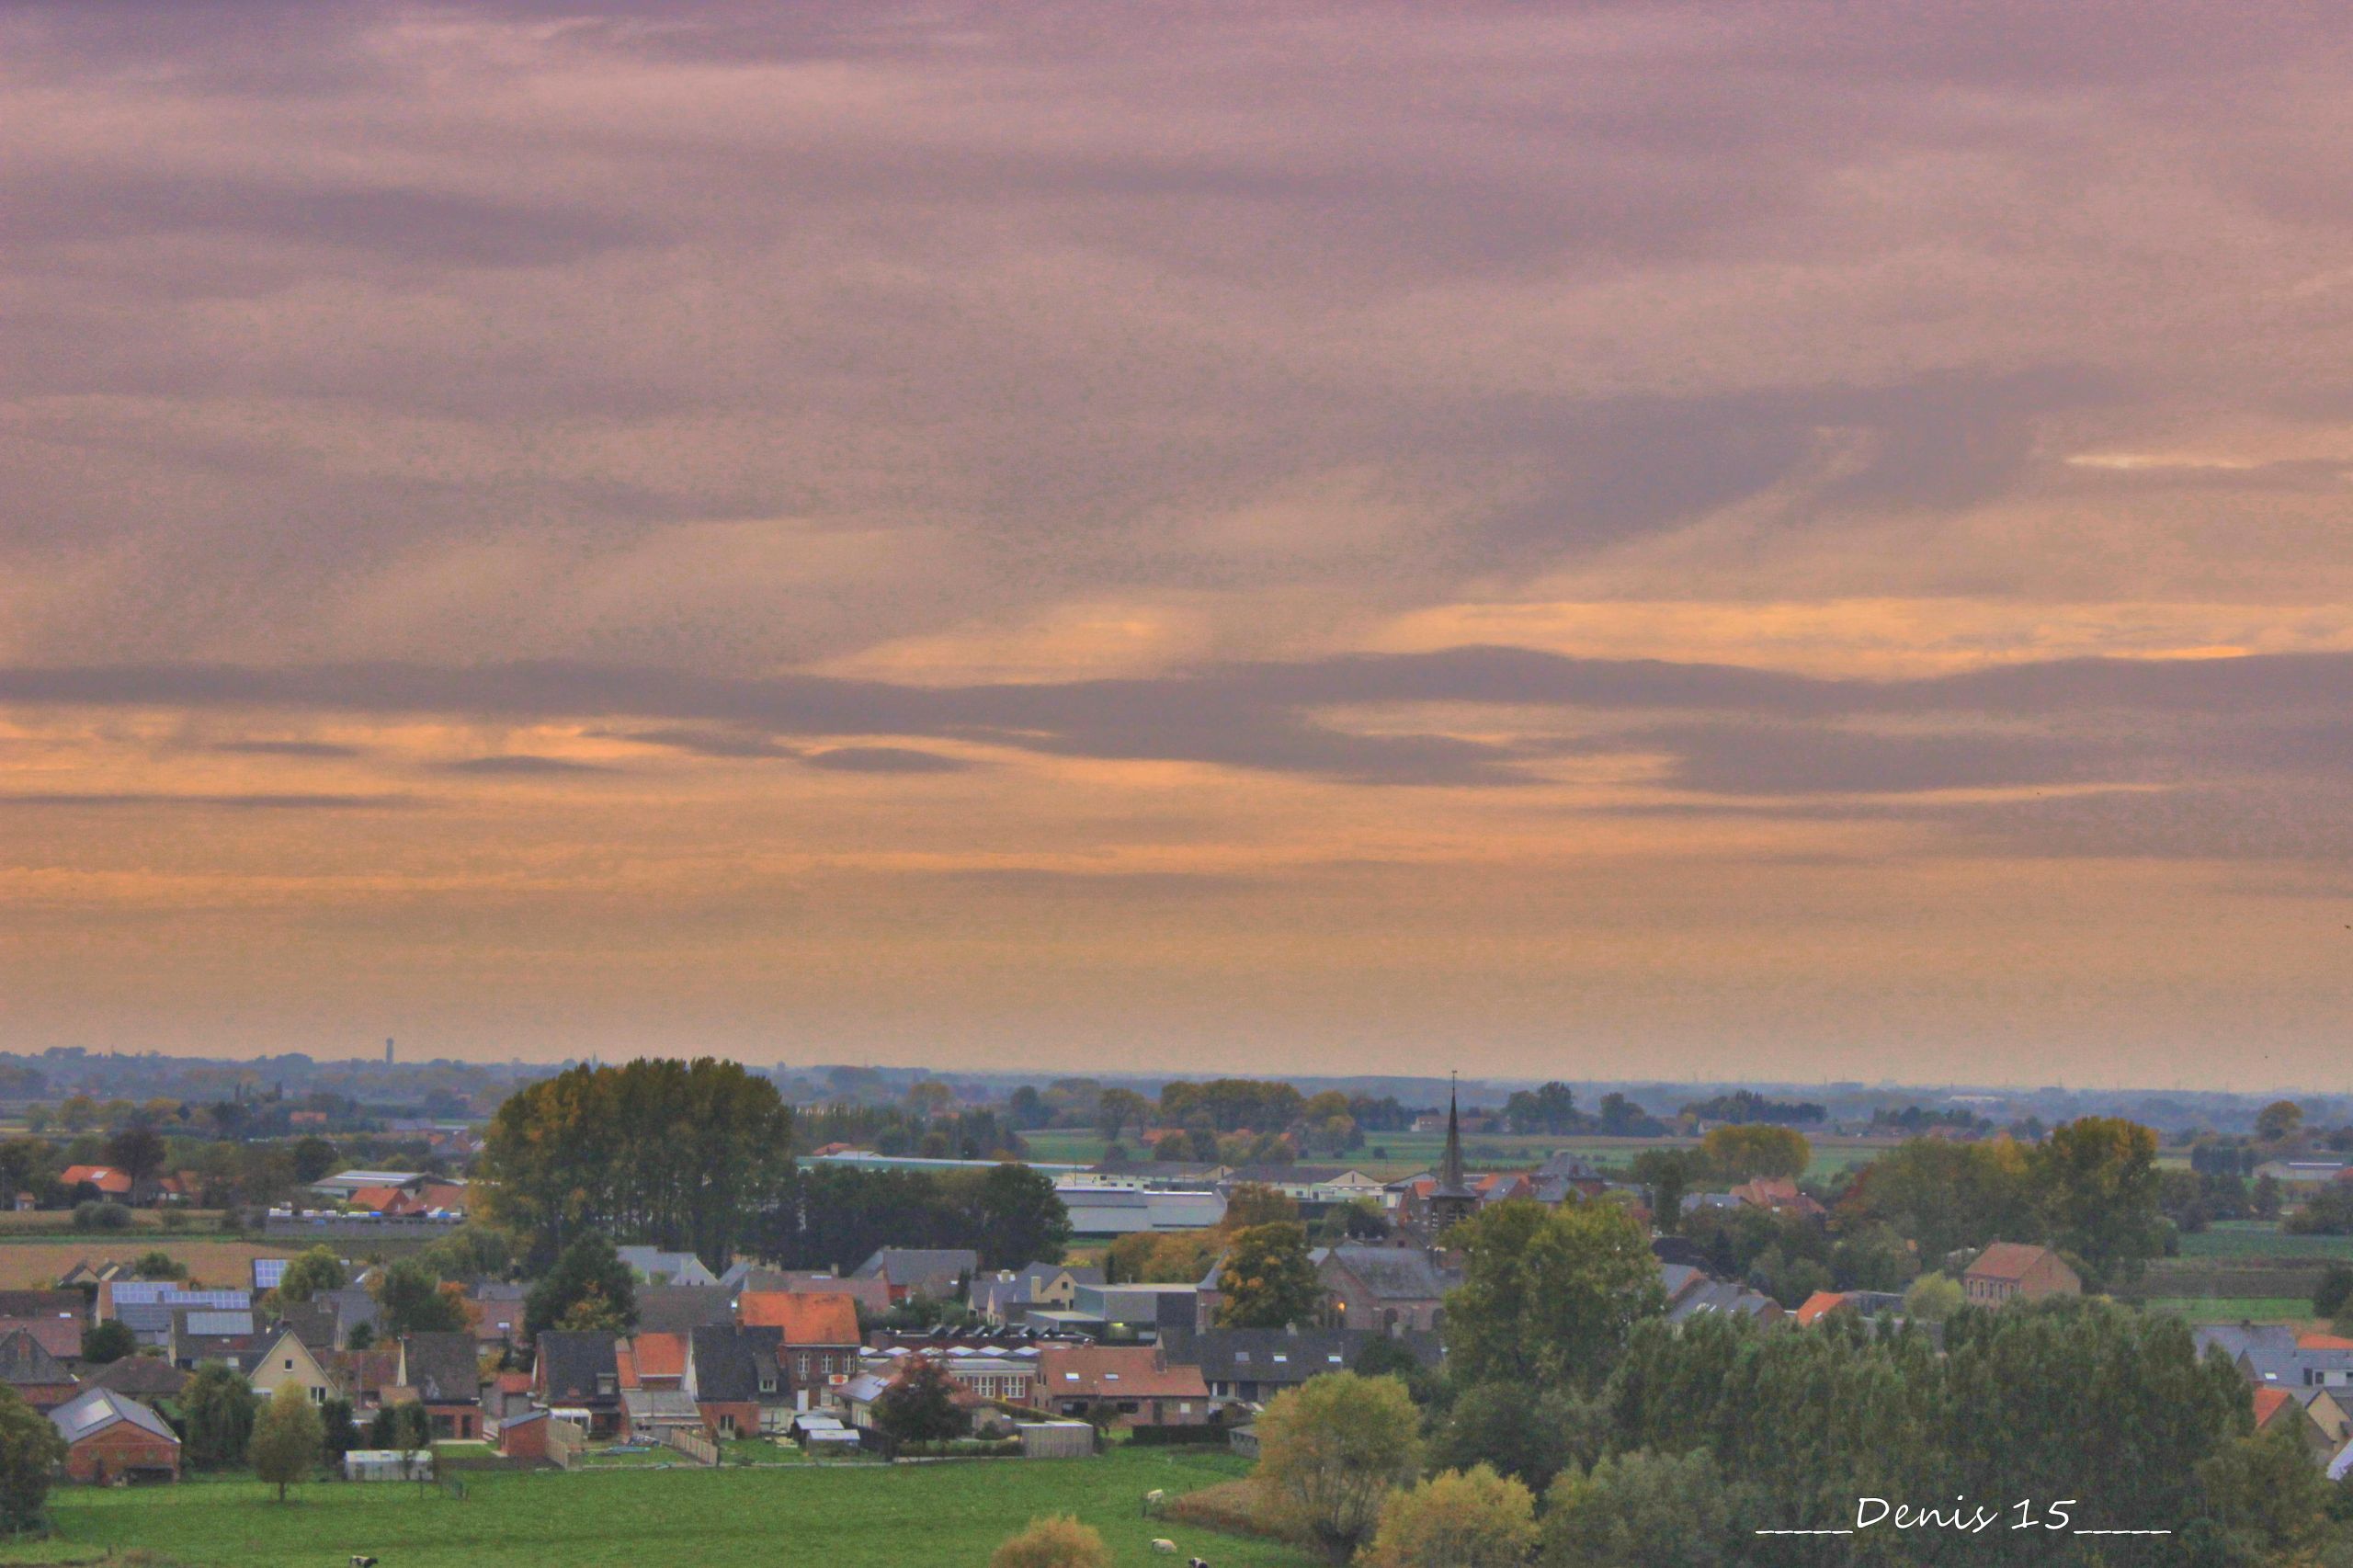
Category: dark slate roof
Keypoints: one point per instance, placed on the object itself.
(26, 1364)
(313, 1324)
(680, 1309)
(920, 1266)
(44, 1304)
(729, 1362)
(573, 1362)
(1398, 1274)
(1249, 1355)
(442, 1369)
(1571, 1167)
(141, 1377)
(242, 1351)
(95, 1410)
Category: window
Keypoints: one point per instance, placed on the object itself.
(290, 1363)
(1281, 1360)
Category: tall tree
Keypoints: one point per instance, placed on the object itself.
(217, 1406)
(1266, 1280)
(309, 1273)
(1547, 1295)
(1017, 1218)
(1329, 1453)
(287, 1440)
(682, 1155)
(1755, 1149)
(31, 1453)
(589, 1288)
(1119, 1108)
(415, 1302)
(2096, 1182)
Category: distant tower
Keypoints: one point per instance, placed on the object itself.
(1452, 1198)
(388, 1054)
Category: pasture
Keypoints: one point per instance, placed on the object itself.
(947, 1515)
(2238, 1239)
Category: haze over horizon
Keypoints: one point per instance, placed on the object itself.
(1650, 540)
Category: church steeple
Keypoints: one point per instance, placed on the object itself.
(1452, 1197)
(1449, 1170)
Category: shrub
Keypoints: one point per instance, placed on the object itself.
(1457, 1519)
(93, 1215)
(1059, 1541)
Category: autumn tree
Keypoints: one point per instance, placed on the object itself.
(1471, 1518)
(1266, 1280)
(287, 1438)
(309, 1273)
(920, 1405)
(1548, 1294)
(1755, 1149)
(589, 1288)
(685, 1155)
(2094, 1182)
(1329, 1453)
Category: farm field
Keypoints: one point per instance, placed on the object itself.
(2238, 1239)
(31, 1265)
(2234, 1309)
(940, 1516)
(15, 1223)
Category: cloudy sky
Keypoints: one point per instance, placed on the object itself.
(1648, 539)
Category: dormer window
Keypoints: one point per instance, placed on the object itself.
(605, 1383)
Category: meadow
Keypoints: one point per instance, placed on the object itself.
(947, 1515)
(2234, 1309)
(2236, 1239)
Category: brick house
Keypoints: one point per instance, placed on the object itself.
(1390, 1289)
(579, 1371)
(109, 1437)
(733, 1377)
(819, 1338)
(28, 1367)
(448, 1380)
(2014, 1271)
(1134, 1382)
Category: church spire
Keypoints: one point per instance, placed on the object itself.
(1449, 1170)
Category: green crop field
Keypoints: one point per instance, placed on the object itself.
(949, 1514)
(2234, 1308)
(2239, 1239)
(1393, 1154)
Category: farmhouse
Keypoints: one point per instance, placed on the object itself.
(2014, 1271)
(1134, 1384)
(109, 1437)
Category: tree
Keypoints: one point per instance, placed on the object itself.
(309, 1273)
(471, 1252)
(589, 1287)
(2094, 1181)
(920, 1405)
(1267, 1281)
(1552, 1109)
(1513, 1428)
(414, 1301)
(1548, 1294)
(1252, 1203)
(2335, 1290)
(217, 1408)
(1471, 1518)
(682, 1155)
(2278, 1121)
(138, 1153)
(339, 1434)
(1749, 1150)
(1667, 1174)
(1119, 1108)
(2266, 1501)
(1872, 1257)
(1945, 1195)
(107, 1341)
(1017, 1218)
(287, 1438)
(1329, 1451)
(1933, 1298)
(1058, 1540)
(32, 1451)
(1641, 1510)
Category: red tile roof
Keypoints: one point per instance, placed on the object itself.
(2323, 1342)
(2269, 1402)
(1819, 1303)
(106, 1178)
(826, 1318)
(2008, 1260)
(1114, 1371)
(659, 1355)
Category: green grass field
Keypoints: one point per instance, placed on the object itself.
(948, 1514)
(2234, 1308)
(2237, 1239)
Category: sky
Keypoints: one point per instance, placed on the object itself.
(1659, 540)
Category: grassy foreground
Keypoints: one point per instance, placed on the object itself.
(938, 1515)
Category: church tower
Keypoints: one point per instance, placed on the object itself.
(1452, 1198)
